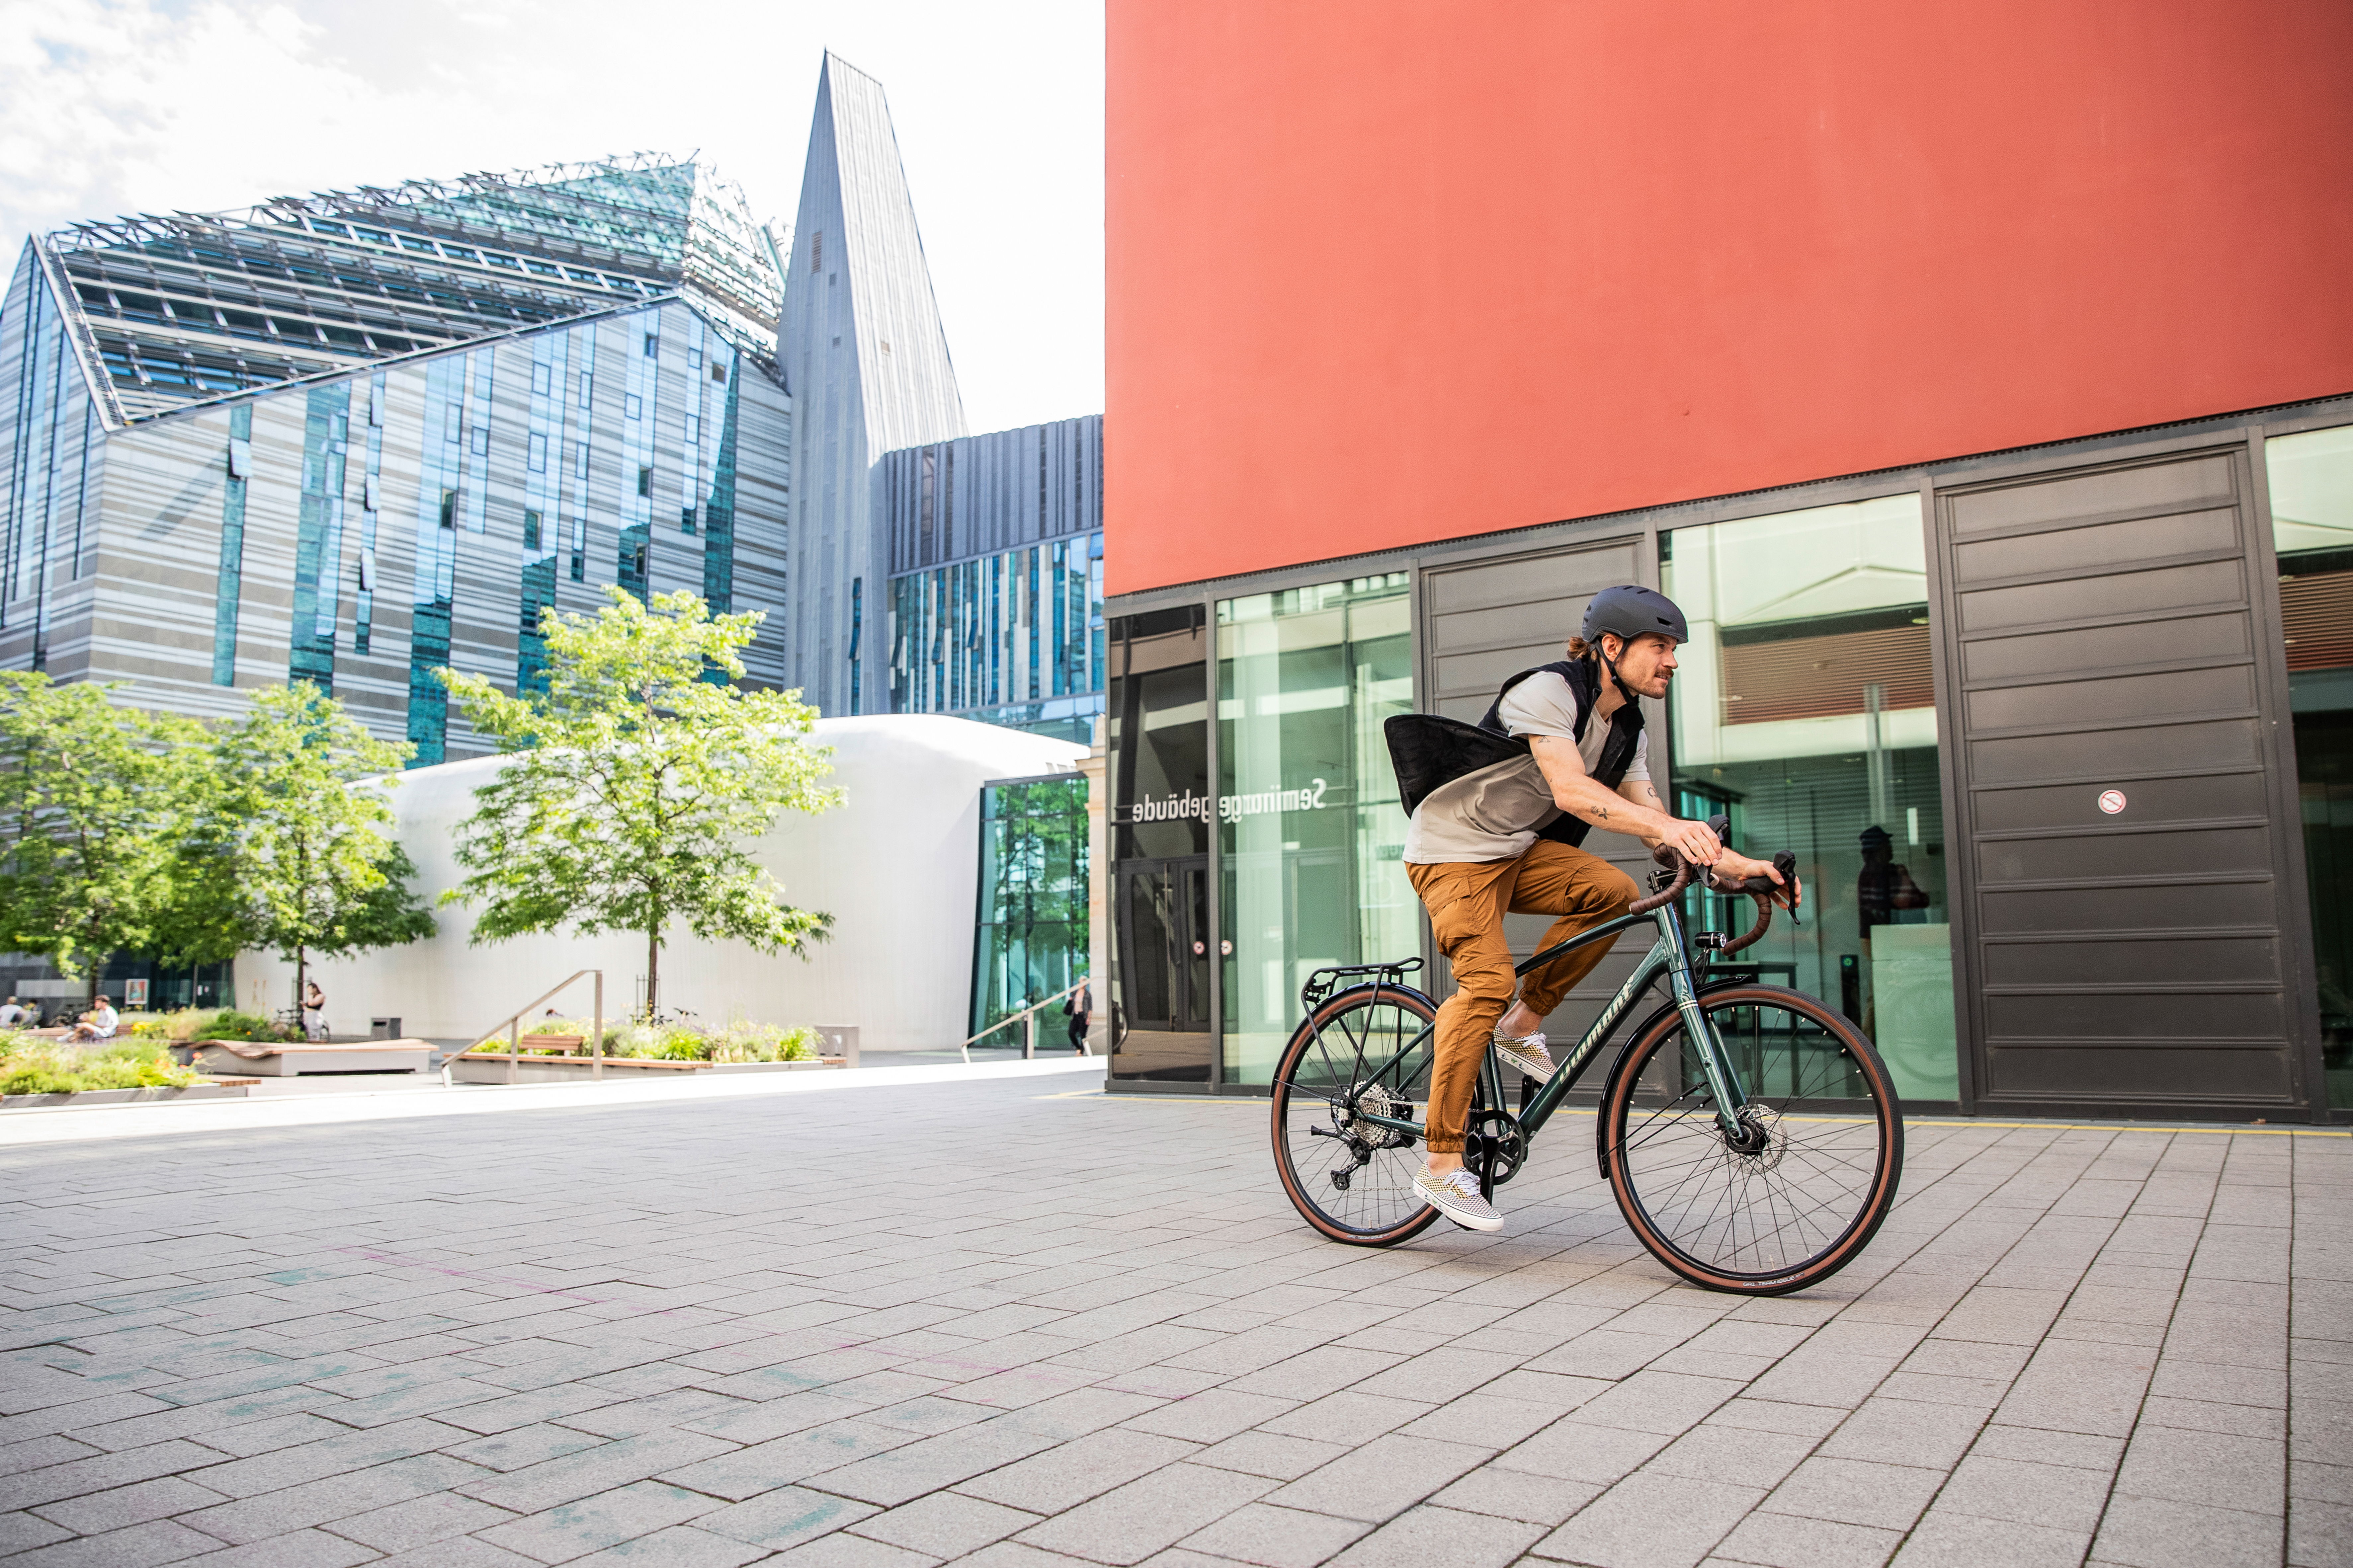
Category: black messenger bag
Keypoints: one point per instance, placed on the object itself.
(1428, 752)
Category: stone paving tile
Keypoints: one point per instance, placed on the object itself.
(419, 1522)
(1064, 1477)
(609, 1519)
(2157, 1532)
(2063, 1342)
(1275, 1537)
(1961, 1541)
(1786, 1540)
(1130, 1523)
(945, 1525)
(252, 1519)
(1432, 1535)
(137, 1546)
(1650, 1521)
(786, 1517)
(679, 1546)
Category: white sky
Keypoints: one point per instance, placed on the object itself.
(115, 106)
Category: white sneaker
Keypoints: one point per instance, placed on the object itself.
(1528, 1055)
(1456, 1196)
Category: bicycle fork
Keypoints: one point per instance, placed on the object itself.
(1723, 1085)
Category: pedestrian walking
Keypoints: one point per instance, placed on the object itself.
(315, 1012)
(1079, 1006)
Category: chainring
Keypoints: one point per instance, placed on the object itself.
(1511, 1144)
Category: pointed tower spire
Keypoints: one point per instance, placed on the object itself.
(867, 361)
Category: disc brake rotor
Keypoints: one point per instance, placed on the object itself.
(1766, 1139)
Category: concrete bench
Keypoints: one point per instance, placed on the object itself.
(289, 1059)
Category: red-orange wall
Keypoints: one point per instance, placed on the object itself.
(1387, 272)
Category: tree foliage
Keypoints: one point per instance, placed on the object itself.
(638, 784)
(290, 849)
(92, 806)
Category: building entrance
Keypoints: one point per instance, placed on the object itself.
(1164, 937)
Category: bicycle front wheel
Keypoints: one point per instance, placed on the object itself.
(1365, 1052)
(1799, 1192)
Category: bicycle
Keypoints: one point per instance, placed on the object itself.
(1728, 1184)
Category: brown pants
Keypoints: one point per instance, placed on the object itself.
(1467, 902)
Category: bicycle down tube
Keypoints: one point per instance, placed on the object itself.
(1667, 956)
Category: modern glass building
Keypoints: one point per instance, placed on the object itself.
(354, 436)
(996, 549)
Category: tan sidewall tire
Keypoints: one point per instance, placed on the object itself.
(1301, 1038)
(1622, 1085)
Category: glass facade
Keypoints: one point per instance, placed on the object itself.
(318, 537)
(995, 604)
(1015, 638)
(1158, 733)
(719, 387)
(1309, 829)
(371, 499)
(199, 306)
(423, 452)
(1032, 937)
(230, 587)
(433, 588)
(1805, 709)
(2311, 477)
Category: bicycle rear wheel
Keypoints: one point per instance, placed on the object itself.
(1365, 1050)
(1799, 1195)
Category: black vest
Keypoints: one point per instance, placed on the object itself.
(1428, 751)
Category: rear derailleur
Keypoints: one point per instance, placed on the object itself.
(1364, 1137)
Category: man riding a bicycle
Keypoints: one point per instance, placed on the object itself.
(1506, 839)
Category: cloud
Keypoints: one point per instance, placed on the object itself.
(114, 105)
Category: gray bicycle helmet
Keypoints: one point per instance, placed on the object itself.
(1632, 611)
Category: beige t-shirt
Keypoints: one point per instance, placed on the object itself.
(1494, 813)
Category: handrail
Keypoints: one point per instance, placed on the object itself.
(1030, 1016)
(513, 1025)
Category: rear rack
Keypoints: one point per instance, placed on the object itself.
(1321, 983)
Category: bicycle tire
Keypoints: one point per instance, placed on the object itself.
(1788, 1214)
(1319, 1076)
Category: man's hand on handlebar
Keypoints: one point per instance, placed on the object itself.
(1736, 867)
(1694, 841)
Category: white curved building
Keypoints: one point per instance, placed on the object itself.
(896, 865)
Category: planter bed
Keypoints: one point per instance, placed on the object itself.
(289, 1059)
(220, 1088)
(474, 1068)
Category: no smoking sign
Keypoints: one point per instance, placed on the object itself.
(2112, 801)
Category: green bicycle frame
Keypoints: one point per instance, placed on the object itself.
(1670, 956)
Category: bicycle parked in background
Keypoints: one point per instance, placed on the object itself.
(1751, 1136)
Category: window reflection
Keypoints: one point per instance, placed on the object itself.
(1805, 709)
(2312, 529)
(1160, 757)
(1309, 827)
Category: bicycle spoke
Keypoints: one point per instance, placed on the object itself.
(1353, 1047)
(1791, 1200)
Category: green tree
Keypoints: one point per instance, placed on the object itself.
(92, 806)
(290, 849)
(638, 784)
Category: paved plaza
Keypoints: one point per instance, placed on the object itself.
(1004, 1323)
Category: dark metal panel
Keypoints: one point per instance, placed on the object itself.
(2102, 632)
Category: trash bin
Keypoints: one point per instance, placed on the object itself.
(384, 1029)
